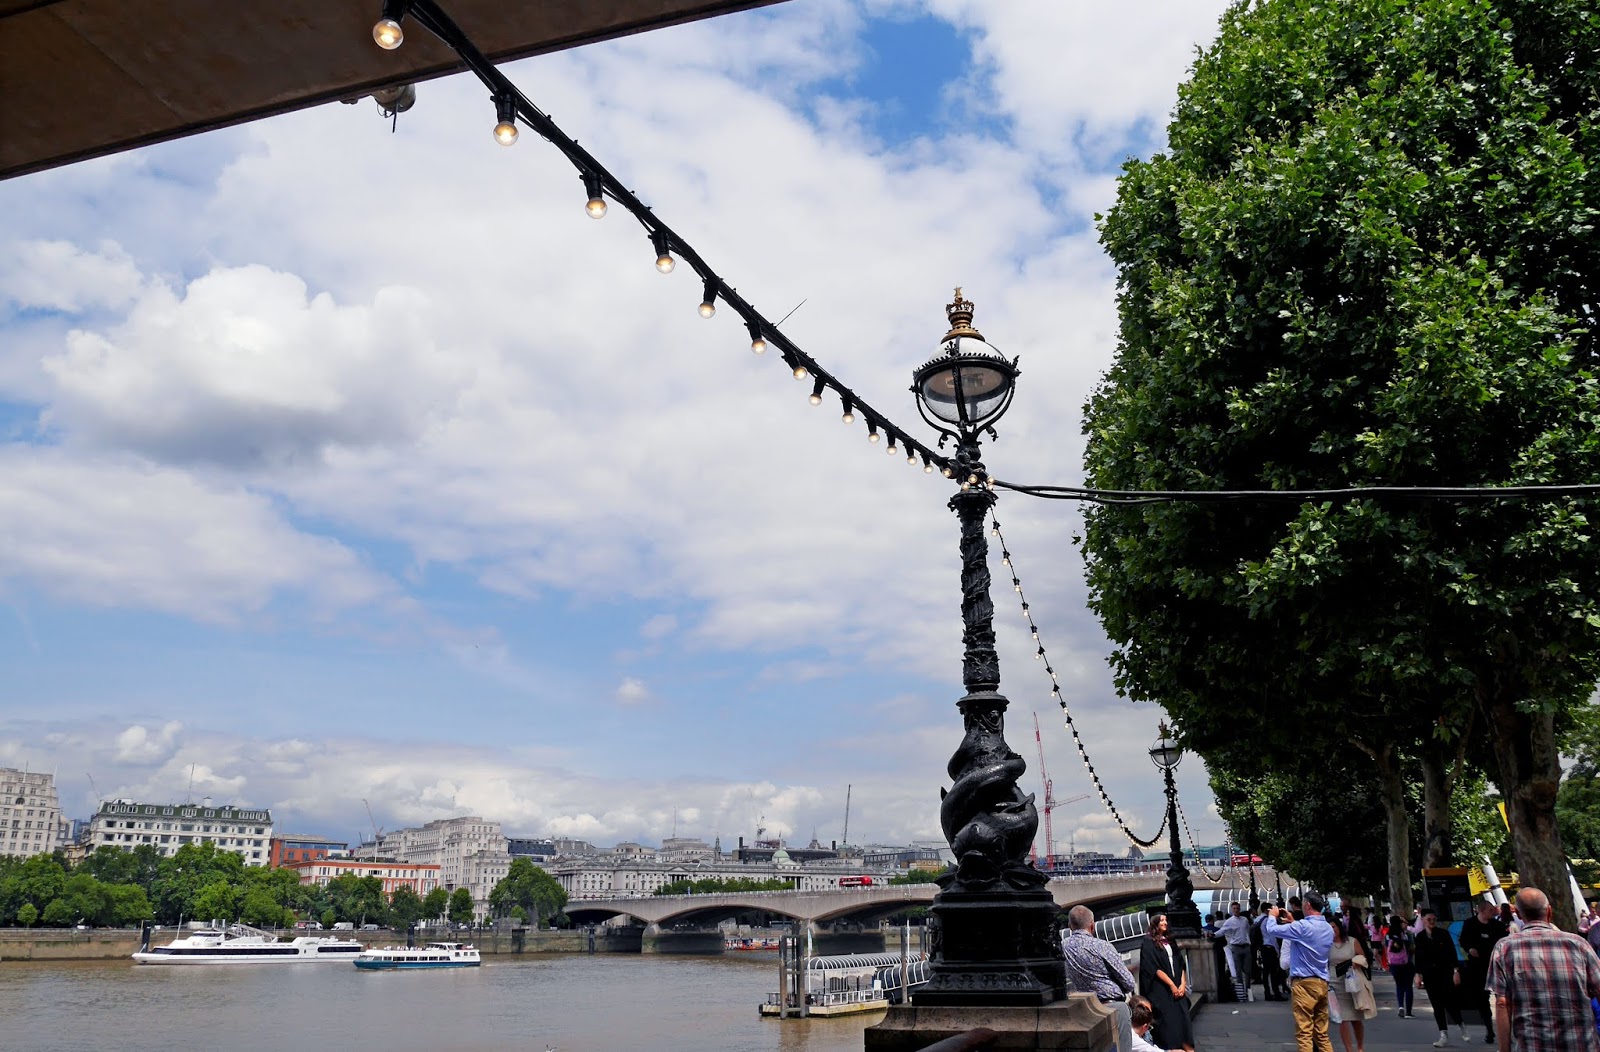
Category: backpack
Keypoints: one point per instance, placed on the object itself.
(1400, 947)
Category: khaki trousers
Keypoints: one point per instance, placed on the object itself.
(1309, 999)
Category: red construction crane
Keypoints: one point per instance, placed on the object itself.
(1050, 801)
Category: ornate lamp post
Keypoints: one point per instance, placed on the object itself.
(993, 930)
(1182, 917)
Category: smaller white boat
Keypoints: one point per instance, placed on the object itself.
(433, 955)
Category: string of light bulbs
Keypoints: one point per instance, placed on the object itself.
(669, 246)
(1060, 698)
(1194, 852)
(598, 183)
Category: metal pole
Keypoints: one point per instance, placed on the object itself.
(905, 961)
(1182, 915)
(802, 953)
(783, 977)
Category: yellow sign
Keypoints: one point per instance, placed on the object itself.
(1477, 883)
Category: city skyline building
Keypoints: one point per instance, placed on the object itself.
(470, 852)
(127, 824)
(30, 813)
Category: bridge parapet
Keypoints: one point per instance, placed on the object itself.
(865, 903)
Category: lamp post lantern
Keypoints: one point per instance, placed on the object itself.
(1183, 918)
(993, 929)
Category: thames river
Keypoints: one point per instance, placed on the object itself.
(603, 1003)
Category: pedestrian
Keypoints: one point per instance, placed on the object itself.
(1588, 920)
(1142, 1017)
(1164, 979)
(1544, 981)
(1400, 948)
(1349, 958)
(1308, 940)
(1439, 973)
(1509, 916)
(1236, 931)
(1095, 967)
(1274, 980)
(1479, 934)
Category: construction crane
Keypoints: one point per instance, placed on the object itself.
(1050, 801)
(377, 834)
(846, 839)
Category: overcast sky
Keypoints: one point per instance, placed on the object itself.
(338, 464)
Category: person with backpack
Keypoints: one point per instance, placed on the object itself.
(1400, 946)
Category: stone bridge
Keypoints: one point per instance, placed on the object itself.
(847, 908)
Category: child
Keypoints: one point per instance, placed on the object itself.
(1139, 1010)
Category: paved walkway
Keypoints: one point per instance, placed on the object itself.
(1260, 1026)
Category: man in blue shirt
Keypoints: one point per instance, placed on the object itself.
(1308, 940)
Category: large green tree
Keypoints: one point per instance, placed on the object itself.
(1368, 256)
(539, 895)
(461, 906)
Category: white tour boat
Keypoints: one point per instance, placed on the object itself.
(242, 944)
(433, 955)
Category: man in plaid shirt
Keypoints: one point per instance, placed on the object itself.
(1095, 967)
(1542, 979)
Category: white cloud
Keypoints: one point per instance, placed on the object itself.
(112, 532)
(245, 367)
(139, 745)
(60, 276)
(632, 691)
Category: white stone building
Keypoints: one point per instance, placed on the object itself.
(470, 853)
(30, 814)
(126, 824)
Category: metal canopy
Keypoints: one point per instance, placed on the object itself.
(83, 78)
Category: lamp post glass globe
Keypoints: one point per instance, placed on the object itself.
(1166, 753)
(969, 386)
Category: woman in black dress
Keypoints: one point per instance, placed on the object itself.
(1164, 979)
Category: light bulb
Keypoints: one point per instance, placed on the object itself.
(947, 473)
(665, 262)
(891, 450)
(596, 207)
(848, 417)
(505, 133)
(911, 458)
(707, 309)
(972, 478)
(388, 34)
(816, 399)
(800, 372)
(927, 467)
(758, 345)
(873, 437)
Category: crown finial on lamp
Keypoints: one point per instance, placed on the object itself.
(960, 315)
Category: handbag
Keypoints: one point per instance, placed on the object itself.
(1352, 982)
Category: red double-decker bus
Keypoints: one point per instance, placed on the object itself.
(855, 882)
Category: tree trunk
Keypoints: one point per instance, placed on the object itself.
(1525, 750)
(1398, 825)
(1437, 781)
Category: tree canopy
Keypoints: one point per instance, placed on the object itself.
(1367, 257)
(529, 887)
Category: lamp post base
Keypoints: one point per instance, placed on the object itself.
(1079, 1023)
(997, 947)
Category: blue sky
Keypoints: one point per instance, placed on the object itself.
(338, 464)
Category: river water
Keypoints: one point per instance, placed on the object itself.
(571, 1003)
